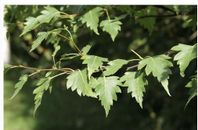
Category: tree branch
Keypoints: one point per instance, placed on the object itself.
(43, 69)
(165, 8)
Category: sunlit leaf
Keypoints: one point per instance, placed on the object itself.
(91, 18)
(78, 81)
(107, 89)
(112, 27)
(159, 66)
(186, 53)
(136, 85)
(93, 63)
(114, 66)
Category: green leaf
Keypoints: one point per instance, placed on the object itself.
(146, 22)
(111, 26)
(48, 14)
(42, 85)
(91, 18)
(41, 36)
(86, 49)
(193, 89)
(19, 85)
(186, 53)
(159, 66)
(78, 81)
(93, 63)
(106, 89)
(30, 24)
(114, 66)
(135, 83)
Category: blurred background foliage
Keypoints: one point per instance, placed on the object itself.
(63, 109)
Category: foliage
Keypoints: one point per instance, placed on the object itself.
(159, 66)
(136, 83)
(184, 56)
(96, 76)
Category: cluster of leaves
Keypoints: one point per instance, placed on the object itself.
(98, 78)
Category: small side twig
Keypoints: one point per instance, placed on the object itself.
(137, 54)
(132, 67)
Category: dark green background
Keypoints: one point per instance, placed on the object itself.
(63, 109)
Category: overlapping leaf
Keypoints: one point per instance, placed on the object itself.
(186, 53)
(91, 18)
(93, 63)
(112, 27)
(159, 66)
(78, 81)
(86, 49)
(48, 14)
(30, 24)
(18, 86)
(42, 86)
(136, 85)
(114, 66)
(40, 37)
(107, 88)
(192, 84)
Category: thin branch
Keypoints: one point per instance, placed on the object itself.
(107, 13)
(43, 69)
(76, 47)
(132, 67)
(73, 40)
(134, 60)
(34, 73)
(59, 75)
(137, 54)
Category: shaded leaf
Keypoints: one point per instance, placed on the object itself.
(128, 9)
(159, 66)
(107, 89)
(78, 81)
(112, 27)
(114, 66)
(42, 85)
(41, 36)
(91, 18)
(48, 14)
(147, 22)
(19, 85)
(30, 24)
(186, 53)
(193, 89)
(136, 85)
